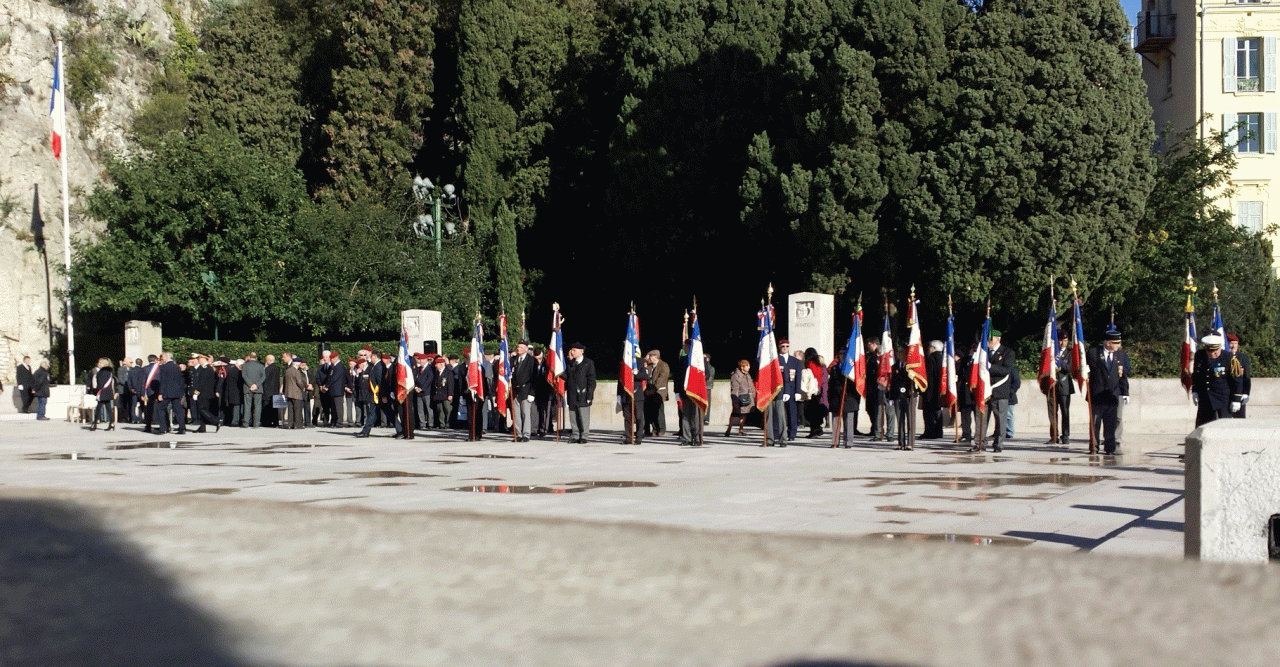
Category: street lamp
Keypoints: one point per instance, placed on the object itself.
(432, 226)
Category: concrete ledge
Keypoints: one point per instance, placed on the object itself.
(1232, 489)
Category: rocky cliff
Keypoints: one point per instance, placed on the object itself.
(134, 34)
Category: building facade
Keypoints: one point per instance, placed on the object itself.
(1216, 59)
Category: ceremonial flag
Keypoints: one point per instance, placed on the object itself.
(695, 374)
(915, 348)
(1079, 360)
(1049, 352)
(1218, 327)
(948, 384)
(980, 369)
(57, 107)
(1189, 345)
(475, 364)
(854, 364)
(503, 390)
(769, 378)
(885, 373)
(630, 355)
(555, 352)
(404, 368)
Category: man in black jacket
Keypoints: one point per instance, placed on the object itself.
(580, 391)
(442, 392)
(271, 387)
(1108, 387)
(204, 390)
(364, 393)
(334, 387)
(524, 372)
(931, 399)
(40, 389)
(1002, 364)
(169, 387)
(1215, 381)
(25, 377)
(634, 433)
(1243, 378)
(423, 378)
(1063, 387)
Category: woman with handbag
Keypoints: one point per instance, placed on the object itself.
(102, 384)
(811, 392)
(742, 391)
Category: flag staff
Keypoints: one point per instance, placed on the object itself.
(631, 432)
(59, 110)
(954, 408)
(981, 402)
(838, 420)
(1088, 395)
(912, 395)
(471, 414)
(1052, 394)
(767, 305)
(555, 386)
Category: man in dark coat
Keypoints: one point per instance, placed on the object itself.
(844, 398)
(543, 396)
(690, 420)
(1215, 381)
(633, 434)
(931, 399)
(1002, 365)
(965, 403)
(524, 376)
(124, 397)
(1244, 380)
(791, 370)
(40, 389)
(232, 395)
(874, 397)
(1063, 387)
(363, 390)
(442, 392)
(271, 387)
(169, 387)
(387, 402)
(253, 378)
(580, 391)
(1108, 387)
(335, 387)
(204, 398)
(655, 401)
(23, 387)
(423, 378)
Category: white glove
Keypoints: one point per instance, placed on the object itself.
(786, 397)
(1126, 399)
(1235, 406)
(1244, 398)
(530, 399)
(1195, 399)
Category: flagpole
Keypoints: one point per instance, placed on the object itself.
(631, 432)
(1088, 395)
(66, 221)
(1052, 395)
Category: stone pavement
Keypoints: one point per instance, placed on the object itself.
(270, 547)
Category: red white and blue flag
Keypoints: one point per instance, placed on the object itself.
(555, 352)
(404, 368)
(1049, 352)
(948, 384)
(503, 390)
(915, 348)
(854, 364)
(980, 369)
(630, 355)
(475, 362)
(1218, 327)
(57, 107)
(1189, 345)
(695, 374)
(885, 372)
(1079, 358)
(769, 378)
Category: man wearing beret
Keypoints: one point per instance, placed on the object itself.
(524, 373)
(580, 390)
(1108, 389)
(295, 390)
(1002, 365)
(1215, 385)
(1242, 372)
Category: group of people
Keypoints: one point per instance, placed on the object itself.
(32, 387)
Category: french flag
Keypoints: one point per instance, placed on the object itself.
(555, 352)
(475, 363)
(915, 348)
(630, 355)
(57, 107)
(948, 383)
(1049, 352)
(854, 364)
(1079, 360)
(1189, 345)
(404, 368)
(503, 390)
(1218, 327)
(885, 372)
(980, 370)
(769, 379)
(695, 375)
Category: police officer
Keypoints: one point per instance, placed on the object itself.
(1108, 388)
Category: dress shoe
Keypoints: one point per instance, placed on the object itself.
(976, 448)
(111, 427)
(201, 430)
(362, 435)
(43, 419)
(997, 448)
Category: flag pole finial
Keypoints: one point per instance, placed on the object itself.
(770, 291)
(1215, 291)
(913, 292)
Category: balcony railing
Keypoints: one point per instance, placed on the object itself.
(1155, 32)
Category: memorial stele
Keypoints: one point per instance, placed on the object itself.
(811, 319)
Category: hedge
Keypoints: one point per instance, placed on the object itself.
(182, 348)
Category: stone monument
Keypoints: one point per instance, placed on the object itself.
(421, 326)
(142, 338)
(811, 319)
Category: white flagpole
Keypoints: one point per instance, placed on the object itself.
(66, 221)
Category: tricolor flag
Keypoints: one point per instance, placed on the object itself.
(475, 363)
(555, 352)
(915, 348)
(769, 378)
(980, 370)
(1189, 345)
(695, 374)
(1079, 360)
(57, 107)
(1049, 352)
(854, 364)
(885, 372)
(1218, 327)
(948, 395)
(404, 368)
(630, 355)
(503, 390)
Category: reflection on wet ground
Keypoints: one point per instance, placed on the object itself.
(163, 444)
(571, 487)
(373, 474)
(73, 456)
(980, 540)
(442, 461)
(670, 461)
(320, 500)
(322, 480)
(391, 484)
(962, 483)
(485, 456)
(355, 458)
(215, 492)
(750, 457)
(272, 448)
(484, 479)
(919, 510)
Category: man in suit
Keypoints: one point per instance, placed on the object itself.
(169, 386)
(311, 404)
(791, 370)
(1243, 379)
(874, 393)
(138, 389)
(387, 385)
(24, 377)
(1002, 365)
(323, 407)
(931, 399)
(965, 403)
(690, 420)
(232, 393)
(442, 392)
(1108, 387)
(295, 390)
(334, 389)
(125, 398)
(147, 392)
(204, 387)
(580, 391)
(40, 388)
(1215, 381)
(423, 378)
(656, 393)
(364, 390)
(272, 386)
(524, 373)
(1063, 387)
(253, 377)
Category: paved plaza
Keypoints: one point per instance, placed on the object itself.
(275, 547)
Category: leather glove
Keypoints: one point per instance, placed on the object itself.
(1195, 399)
(1126, 399)
(1235, 406)
(1244, 398)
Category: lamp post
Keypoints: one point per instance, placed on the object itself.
(432, 226)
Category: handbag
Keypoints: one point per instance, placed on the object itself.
(742, 400)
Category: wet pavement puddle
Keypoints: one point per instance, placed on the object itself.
(979, 540)
(391, 484)
(74, 456)
(484, 479)
(964, 483)
(355, 458)
(322, 480)
(163, 444)
(750, 457)
(919, 510)
(214, 492)
(321, 500)
(670, 461)
(571, 487)
(443, 462)
(375, 474)
(486, 456)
